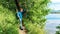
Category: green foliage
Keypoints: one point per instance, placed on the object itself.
(6, 28)
(7, 16)
(7, 22)
(58, 31)
(34, 22)
(58, 27)
(33, 28)
(36, 16)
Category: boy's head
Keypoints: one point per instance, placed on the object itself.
(21, 9)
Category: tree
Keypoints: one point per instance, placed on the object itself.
(34, 22)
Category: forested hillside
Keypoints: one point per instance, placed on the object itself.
(34, 22)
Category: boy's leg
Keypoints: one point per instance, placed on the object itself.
(21, 26)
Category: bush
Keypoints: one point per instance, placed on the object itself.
(7, 22)
(58, 31)
(8, 29)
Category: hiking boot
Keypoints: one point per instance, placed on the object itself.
(21, 28)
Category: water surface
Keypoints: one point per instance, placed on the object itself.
(53, 20)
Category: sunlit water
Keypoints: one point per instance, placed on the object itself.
(53, 20)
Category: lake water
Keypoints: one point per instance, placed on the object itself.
(53, 20)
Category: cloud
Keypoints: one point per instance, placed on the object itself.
(55, 1)
(55, 4)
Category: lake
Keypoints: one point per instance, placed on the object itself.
(53, 20)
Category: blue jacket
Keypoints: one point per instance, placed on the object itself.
(19, 14)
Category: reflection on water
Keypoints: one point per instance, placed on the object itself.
(53, 20)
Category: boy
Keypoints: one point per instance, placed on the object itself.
(19, 15)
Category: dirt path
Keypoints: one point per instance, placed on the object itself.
(22, 32)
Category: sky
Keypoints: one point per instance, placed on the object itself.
(55, 4)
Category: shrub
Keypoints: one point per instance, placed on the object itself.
(7, 22)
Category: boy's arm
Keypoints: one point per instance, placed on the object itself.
(17, 13)
(25, 12)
